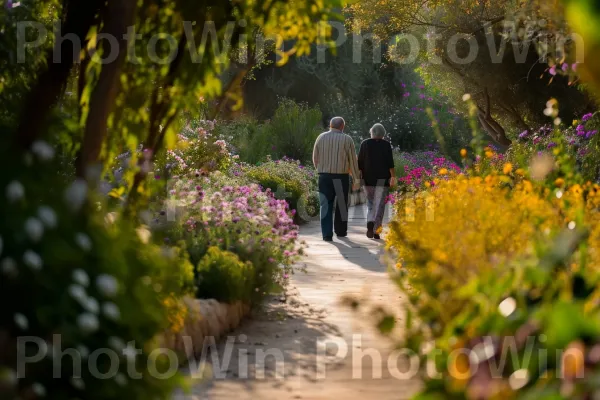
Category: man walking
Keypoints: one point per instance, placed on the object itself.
(334, 156)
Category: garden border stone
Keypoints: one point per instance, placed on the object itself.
(204, 318)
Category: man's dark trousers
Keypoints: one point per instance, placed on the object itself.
(334, 189)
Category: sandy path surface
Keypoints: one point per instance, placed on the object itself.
(316, 347)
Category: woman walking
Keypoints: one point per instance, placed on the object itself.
(376, 163)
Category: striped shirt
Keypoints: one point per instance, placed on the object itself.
(334, 153)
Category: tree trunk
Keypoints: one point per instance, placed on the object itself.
(78, 18)
(490, 125)
(120, 15)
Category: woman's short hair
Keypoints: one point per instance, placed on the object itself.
(378, 131)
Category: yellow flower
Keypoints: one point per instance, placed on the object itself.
(489, 154)
(507, 168)
(399, 266)
(463, 153)
(443, 171)
(559, 182)
(520, 172)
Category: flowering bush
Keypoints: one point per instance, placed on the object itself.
(75, 278)
(581, 141)
(245, 220)
(419, 170)
(289, 180)
(501, 272)
(198, 149)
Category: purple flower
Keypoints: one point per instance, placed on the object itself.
(523, 134)
(552, 70)
(587, 117)
(551, 145)
(407, 94)
(590, 134)
(565, 66)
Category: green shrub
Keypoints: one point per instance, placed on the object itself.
(68, 269)
(288, 180)
(290, 133)
(221, 275)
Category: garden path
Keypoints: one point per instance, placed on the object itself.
(294, 327)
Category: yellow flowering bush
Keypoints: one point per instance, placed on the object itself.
(503, 260)
(464, 226)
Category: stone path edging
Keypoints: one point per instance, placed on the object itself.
(204, 318)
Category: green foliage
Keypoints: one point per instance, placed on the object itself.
(223, 277)
(70, 269)
(410, 118)
(290, 133)
(290, 181)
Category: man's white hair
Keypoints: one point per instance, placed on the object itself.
(378, 131)
(337, 123)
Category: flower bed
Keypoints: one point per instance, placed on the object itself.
(419, 170)
(501, 272)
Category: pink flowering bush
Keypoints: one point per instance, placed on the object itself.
(244, 220)
(197, 149)
(418, 170)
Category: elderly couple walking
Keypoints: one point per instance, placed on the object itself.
(335, 159)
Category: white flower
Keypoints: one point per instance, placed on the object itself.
(121, 379)
(9, 266)
(15, 191)
(38, 389)
(111, 311)
(83, 351)
(75, 194)
(107, 285)
(34, 229)
(81, 277)
(78, 293)
(91, 304)
(43, 150)
(78, 383)
(48, 216)
(21, 321)
(143, 234)
(32, 260)
(83, 241)
(88, 322)
(116, 343)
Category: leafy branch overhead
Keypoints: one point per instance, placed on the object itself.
(135, 100)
